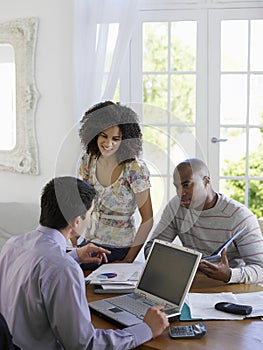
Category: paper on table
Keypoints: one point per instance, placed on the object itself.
(117, 286)
(125, 273)
(255, 299)
(202, 306)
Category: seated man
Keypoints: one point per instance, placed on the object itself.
(204, 219)
(6, 341)
(43, 295)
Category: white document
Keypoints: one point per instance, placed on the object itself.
(202, 305)
(116, 273)
(117, 286)
(255, 299)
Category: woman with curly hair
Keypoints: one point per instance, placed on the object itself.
(112, 140)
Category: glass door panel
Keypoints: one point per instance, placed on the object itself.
(234, 48)
(232, 151)
(234, 188)
(169, 91)
(256, 99)
(255, 196)
(256, 57)
(255, 164)
(241, 111)
(233, 108)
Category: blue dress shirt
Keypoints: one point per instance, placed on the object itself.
(43, 298)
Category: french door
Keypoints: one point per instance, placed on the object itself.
(196, 78)
(235, 91)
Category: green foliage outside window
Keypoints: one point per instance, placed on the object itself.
(182, 107)
(236, 188)
(155, 86)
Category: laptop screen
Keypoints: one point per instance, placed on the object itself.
(168, 271)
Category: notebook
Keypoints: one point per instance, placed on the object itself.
(165, 280)
(216, 255)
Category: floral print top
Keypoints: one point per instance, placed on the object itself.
(112, 222)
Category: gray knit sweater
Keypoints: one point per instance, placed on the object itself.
(206, 230)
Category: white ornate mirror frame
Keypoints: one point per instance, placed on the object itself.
(21, 34)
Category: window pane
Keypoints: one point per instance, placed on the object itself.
(255, 152)
(155, 46)
(256, 99)
(183, 142)
(233, 107)
(183, 46)
(183, 97)
(233, 152)
(155, 90)
(8, 97)
(234, 45)
(158, 195)
(233, 188)
(255, 197)
(256, 58)
(155, 141)
(154, 115)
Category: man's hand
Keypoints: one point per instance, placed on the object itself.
(156, 320)
(218, 271)
(90, 253)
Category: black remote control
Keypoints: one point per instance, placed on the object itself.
(234, 308)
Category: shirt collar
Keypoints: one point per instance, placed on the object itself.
(53, 234)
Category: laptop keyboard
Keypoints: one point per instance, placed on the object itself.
(132, 304)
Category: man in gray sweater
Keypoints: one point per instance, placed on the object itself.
(204, 219)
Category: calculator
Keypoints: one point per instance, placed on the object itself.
(197, 330)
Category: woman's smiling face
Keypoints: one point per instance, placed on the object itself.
(109, 141)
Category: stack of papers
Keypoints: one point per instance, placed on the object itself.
(201, 305)
(116, 276)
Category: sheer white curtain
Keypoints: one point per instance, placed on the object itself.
(103, 29)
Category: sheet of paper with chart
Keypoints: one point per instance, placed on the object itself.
(116, 273)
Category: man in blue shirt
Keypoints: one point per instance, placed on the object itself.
(43, 296)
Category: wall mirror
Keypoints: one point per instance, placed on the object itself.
(18, 96)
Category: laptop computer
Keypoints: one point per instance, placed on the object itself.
(165, 280)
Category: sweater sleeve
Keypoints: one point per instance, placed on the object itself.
(250, 248)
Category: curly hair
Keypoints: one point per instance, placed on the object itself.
(105, 115)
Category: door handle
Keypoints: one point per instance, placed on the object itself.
(215, 139)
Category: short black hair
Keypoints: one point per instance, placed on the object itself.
(63, 199)
(105, 115)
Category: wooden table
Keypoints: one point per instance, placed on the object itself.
(221, 335)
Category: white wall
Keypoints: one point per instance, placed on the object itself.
(55, 82)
